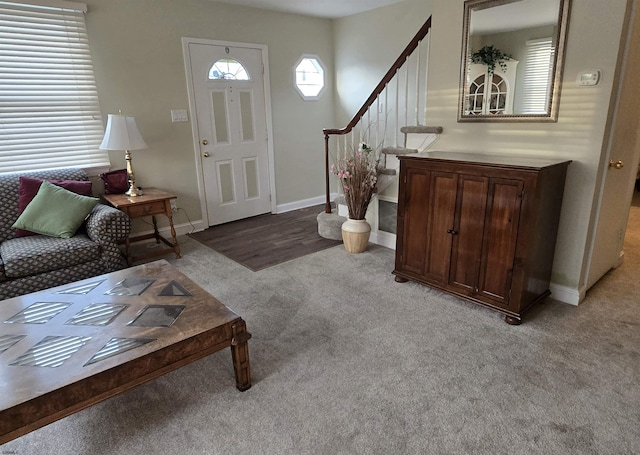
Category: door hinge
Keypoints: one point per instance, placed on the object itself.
(405, 179)
(522, 194)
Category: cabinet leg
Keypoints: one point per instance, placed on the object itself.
(399, 279)
(512, 321)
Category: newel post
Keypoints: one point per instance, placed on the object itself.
(327, 204)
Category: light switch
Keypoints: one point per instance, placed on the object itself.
(179, 115)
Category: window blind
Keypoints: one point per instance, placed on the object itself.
(536, 84)
(49, 111)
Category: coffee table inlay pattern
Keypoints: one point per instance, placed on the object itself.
(104, 335)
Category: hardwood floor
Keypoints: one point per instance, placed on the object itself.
(266, 240)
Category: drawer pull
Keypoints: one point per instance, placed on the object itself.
(452, 232)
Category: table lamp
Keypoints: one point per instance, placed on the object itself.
(122, 134)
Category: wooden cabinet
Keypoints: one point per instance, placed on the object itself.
(480, 227)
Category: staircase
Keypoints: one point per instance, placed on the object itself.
(392, 121)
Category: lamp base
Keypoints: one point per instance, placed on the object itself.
(133, 189)
(133, 192)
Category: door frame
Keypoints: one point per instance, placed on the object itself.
(193, 115)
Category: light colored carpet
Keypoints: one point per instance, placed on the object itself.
(346, 361)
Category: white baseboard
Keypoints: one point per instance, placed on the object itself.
(383, 239)
(566, 294)
(290, 206)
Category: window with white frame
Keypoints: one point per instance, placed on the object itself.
(49, 111)
(309, 77)
(536, 85)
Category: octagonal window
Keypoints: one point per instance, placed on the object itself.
(309, 76)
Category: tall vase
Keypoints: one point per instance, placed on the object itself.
(355, 235)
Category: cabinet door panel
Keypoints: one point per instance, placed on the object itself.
(416, 218)
(500, 236)
(442, 202)
(467, 242)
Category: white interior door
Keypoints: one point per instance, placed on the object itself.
(622, 165)
(229, 96)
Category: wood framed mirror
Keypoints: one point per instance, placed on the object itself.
(512, 59)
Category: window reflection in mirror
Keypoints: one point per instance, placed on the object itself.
(512, 57)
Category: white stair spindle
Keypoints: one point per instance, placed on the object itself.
(426, 73)
(417, 109)
(397, 107)
(406, 93)
(377, 119)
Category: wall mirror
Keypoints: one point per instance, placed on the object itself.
(512, 59)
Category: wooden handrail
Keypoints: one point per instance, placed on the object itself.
(413, 44)
(385, 80)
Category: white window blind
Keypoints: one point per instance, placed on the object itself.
(536, 84)
(49, 111)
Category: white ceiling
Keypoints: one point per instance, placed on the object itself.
(321, 8)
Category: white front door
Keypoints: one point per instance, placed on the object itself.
(229, 97)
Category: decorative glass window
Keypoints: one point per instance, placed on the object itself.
(309, 76)
(495, 93)
(228, 69)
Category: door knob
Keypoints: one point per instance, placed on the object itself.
(616, 164)
(206, 154)
(205, 142)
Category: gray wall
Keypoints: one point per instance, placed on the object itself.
(139, 65)
(579, 135)
(139, 69)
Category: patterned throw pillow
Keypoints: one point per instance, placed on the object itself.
(55, 211)
(29, 188)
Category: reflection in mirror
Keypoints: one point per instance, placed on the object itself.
(512, 57)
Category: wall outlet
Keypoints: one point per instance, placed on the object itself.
(174, 205)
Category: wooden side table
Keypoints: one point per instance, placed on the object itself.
(153, 202)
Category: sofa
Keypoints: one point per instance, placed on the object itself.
(31, 263)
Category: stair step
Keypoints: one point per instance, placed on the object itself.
(387, 171)
(398, 151)
(421, 129)
(330, 225)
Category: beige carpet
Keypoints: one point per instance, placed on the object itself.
(346, 361)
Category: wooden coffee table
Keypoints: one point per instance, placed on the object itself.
(69, 347)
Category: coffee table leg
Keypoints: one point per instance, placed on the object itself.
(240, 355)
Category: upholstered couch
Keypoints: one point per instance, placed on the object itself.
(35, 262)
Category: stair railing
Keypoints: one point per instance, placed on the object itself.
(360, 125)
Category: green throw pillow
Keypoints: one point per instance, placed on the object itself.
(55, 211)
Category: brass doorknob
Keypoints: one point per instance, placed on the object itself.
(616, 164)
(205, 142)
(206, 154)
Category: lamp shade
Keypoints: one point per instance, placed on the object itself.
(122, 134)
